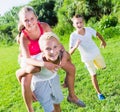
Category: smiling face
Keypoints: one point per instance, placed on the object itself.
(78, 23)
(51, 49)
(29, 20)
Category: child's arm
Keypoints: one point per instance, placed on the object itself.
(103, 43)
(72, 49)
(40, 63)
(65, 58)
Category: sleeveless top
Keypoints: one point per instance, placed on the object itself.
(34, 47)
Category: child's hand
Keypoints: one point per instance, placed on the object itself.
(103, 44)
(51, 66)
(77, 43)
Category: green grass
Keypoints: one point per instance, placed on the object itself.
(10, 90)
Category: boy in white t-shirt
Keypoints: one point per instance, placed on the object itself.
(81, 38)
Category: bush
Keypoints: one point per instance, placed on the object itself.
(111, 32)
(108, 21)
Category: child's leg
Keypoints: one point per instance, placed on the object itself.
(92, 70)
(26, 92)
(22, 72)
(65, 82)
(95, 83)
(19, 74)
(57, 108)
(25, 80)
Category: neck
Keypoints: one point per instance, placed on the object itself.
(81, 31)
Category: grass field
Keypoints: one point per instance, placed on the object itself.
(109, 81)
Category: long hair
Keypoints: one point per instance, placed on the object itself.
(24, 10)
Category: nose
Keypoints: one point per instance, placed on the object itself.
(51, 51)
(29, 22)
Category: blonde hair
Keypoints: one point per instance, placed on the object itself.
(47, 36)
(24, 10)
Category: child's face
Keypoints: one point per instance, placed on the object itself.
(29, 20)
(51, 49)
(78, 23)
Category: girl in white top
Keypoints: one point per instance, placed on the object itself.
(90, 53)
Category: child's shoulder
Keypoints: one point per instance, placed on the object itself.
(88, 28)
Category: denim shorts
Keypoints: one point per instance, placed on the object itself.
(48, 93)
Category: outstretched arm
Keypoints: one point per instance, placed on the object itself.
(103, 43)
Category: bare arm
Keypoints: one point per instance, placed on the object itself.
(72, 49)
(24, 46)
(38, 63)
(103, 43)
(35, 62)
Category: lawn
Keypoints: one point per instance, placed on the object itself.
(10, 91)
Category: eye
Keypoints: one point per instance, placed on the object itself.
(55, 47)
(48, 49)
(32, 19)
(26, 20)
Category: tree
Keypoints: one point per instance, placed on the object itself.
(45, 11)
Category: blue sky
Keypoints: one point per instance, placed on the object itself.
(6, 5)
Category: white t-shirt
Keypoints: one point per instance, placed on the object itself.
(43, 75)
(88, 49)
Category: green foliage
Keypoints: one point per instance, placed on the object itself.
(45, 11)
(108, 21)
(111, 32)
(8, 26)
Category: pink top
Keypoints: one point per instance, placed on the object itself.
(34, 47)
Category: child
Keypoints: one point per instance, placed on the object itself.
(45, 84)
(30, 32)
(90, 53)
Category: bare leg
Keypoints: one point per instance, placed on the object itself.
(65, 82)
(26, 92)
(57, 108)
(95, 83)
(70, 77)
(19, 74)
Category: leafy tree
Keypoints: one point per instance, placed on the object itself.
(45, 11)
(8, 24)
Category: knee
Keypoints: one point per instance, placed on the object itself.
(93, 77)
(29, 69)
